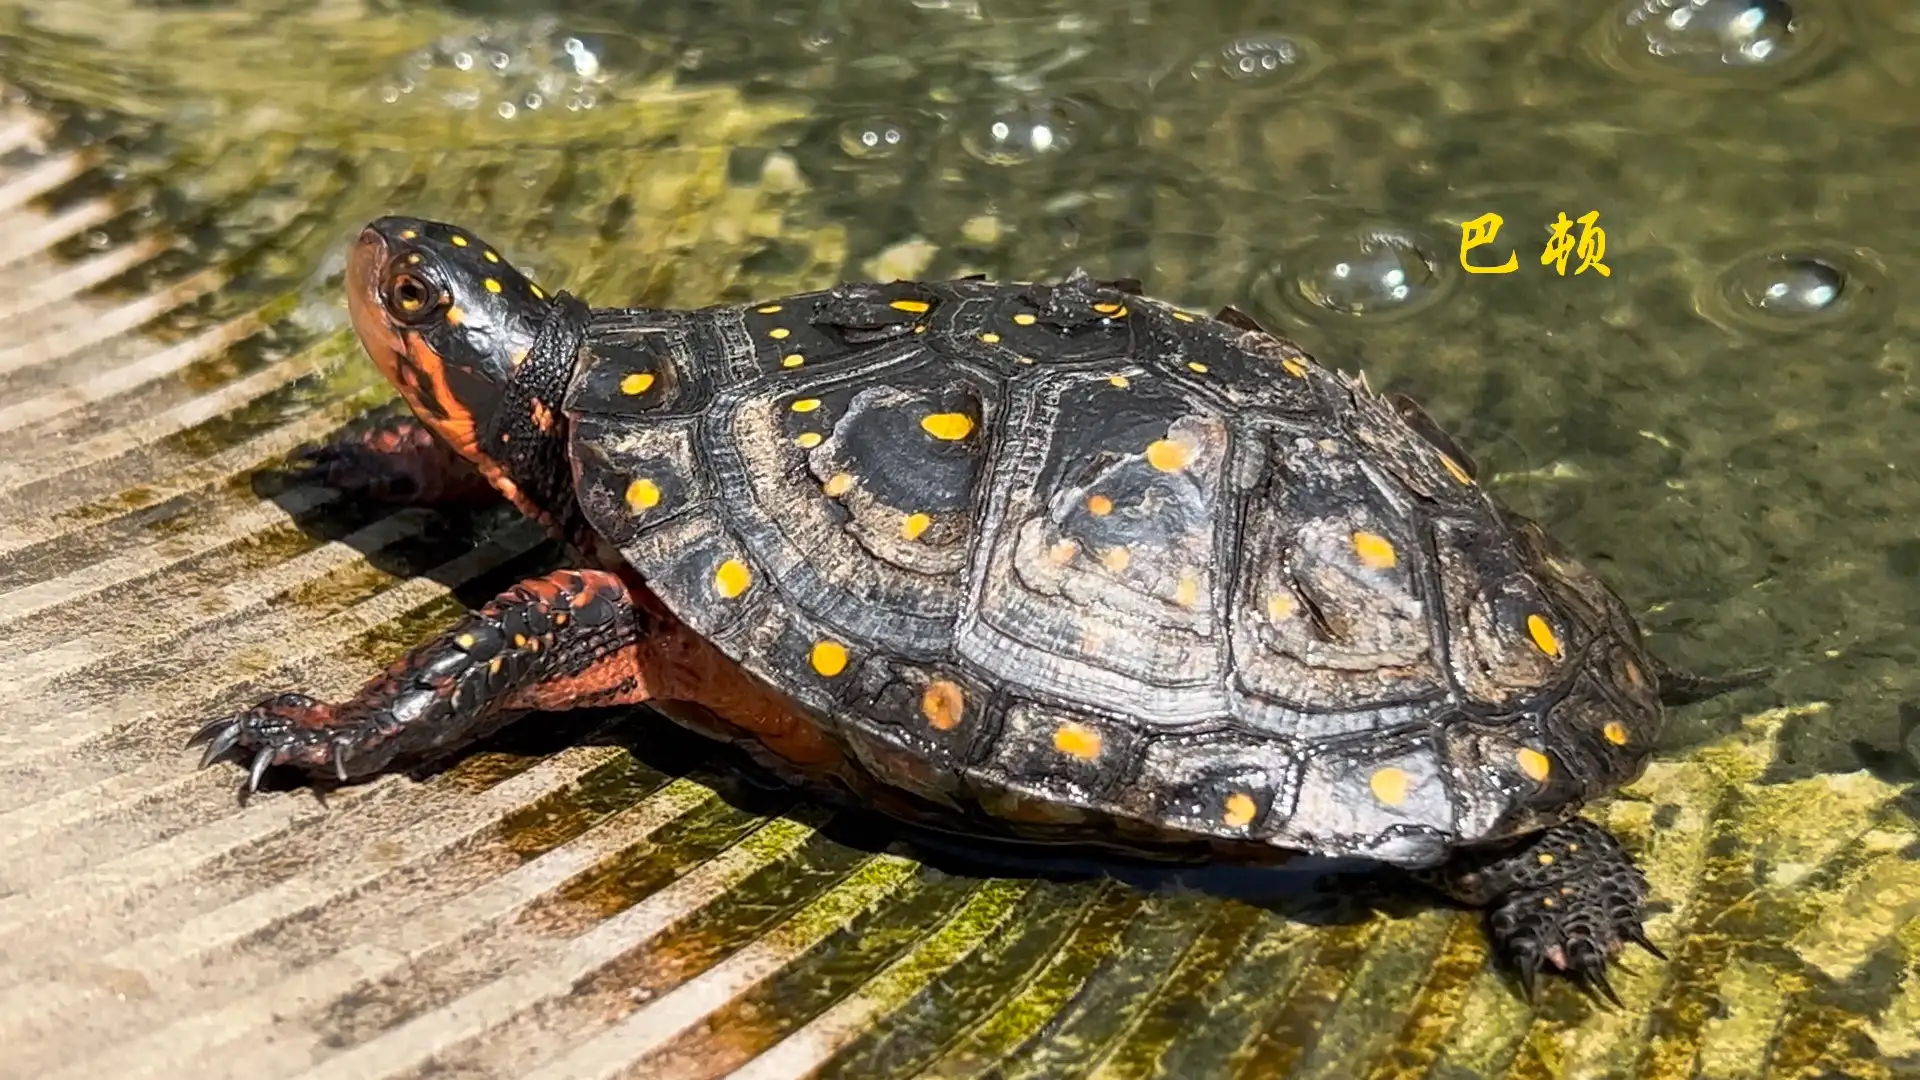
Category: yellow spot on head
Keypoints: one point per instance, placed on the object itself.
(455, 316)
(1294, 368)
(1533, 763)
(1280, 607)
(1116, 559)
(1109, 309)
(409, 234)
(413, 258)
(559, 618)
(490, 256)
(837, 485)
(916, 307)
(1453, 467)
(921, 329)
(1119, 381)
(829, 658)
(1169, 455)
(1196, 367)
(1077, 740)
(792, 360)
(517, 357)
(990, 338)
(1099, 505)
(519, 641)
(1183, 316)
(732, 578)
(949, 426)
(492, 285)
(1615, 732)
(636, 383)
(806, 404)
(779, 333)
(768, 309)
(1240, 810)
(1024, 319)
(493, 665)
(538, 293)
(643, 494)
(807, 440)
(942, 704)
(457, 240)
(1374, 551)
(1544, 859)
(915, 525)
(465, 641)
(1024, 359)
(1389, 786)
(1543, 636)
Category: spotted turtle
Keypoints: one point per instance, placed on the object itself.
(1051, 561)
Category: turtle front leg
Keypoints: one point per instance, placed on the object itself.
(394, 459)
(1568, 899)
(572, 639)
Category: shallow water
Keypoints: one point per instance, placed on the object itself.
(1723, 425)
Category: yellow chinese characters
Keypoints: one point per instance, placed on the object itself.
(1591, 247)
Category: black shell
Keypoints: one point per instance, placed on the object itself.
(1075, 558)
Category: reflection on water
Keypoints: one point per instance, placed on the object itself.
(1724, 424)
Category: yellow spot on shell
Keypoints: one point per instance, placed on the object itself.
(1169, 455)
(490, 256)
(492, 285)
(1453, 467)
(455, 316)
(807, 404)
(1544, 859)
(1374, 551)
(1533, 763)
(1240, 810)
(792, 360)
(779, 333)
(1183, 316)
(643, 494)
(768, 309)
(1294, 368)
(1196, 367)
(829, 658)
(1077, 740)
(1116, 559)
(942, 704)
(1024, 319)
(409, 234)
(517, 357)
(1099, 505)
(1063, 551)
(948, 425)
(1187, 593)
(1543, 636)
(1119, 381)
(732, 578)
(465, 641)
(1106, 309)
(493, 665)
(1615, 732)
(807, 440)
(1281, 606)
(915, 525)
(915, 307)
(838, 484)
(990, 338)
(636, 383)
(413, 258)
(1389, 785)
(538, 293)
(457, 240)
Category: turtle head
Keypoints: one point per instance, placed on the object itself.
(446, 318)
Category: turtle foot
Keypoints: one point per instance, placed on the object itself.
(1566, 900)
(393, 459)
(286, 729)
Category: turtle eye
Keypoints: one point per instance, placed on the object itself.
(410, 298)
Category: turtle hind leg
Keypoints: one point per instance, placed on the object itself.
(1567, 899)
(393, 459)
(572, 639)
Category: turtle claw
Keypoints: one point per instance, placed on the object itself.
(261, 761)
(286, 729)
(1634, 933)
